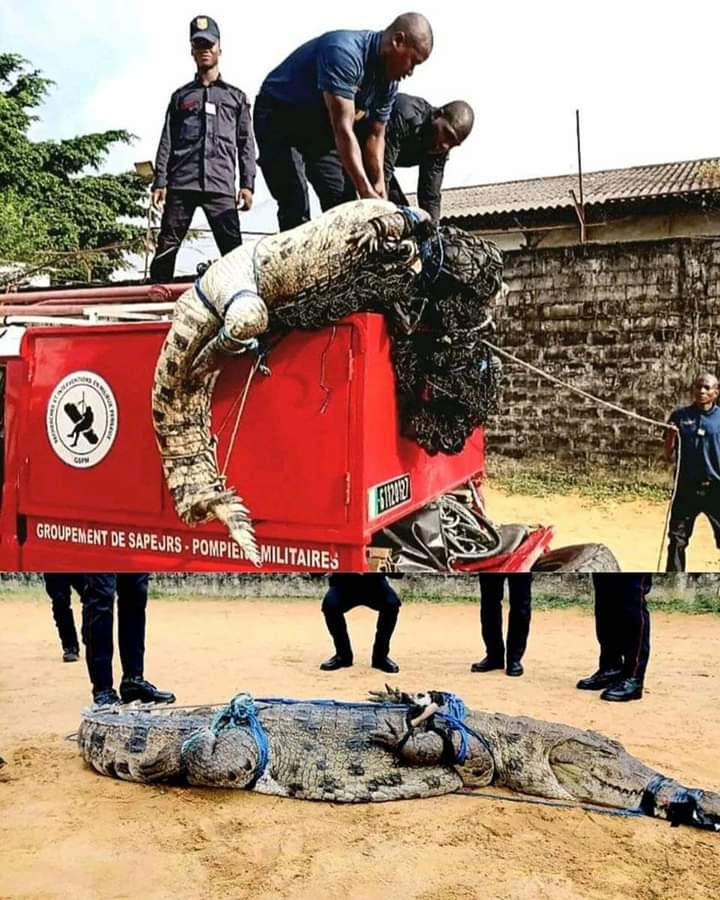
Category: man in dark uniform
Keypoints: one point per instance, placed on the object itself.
(698, 483)
(622, 625)
(98, 601)
(419, 134)
(59, 588)
(346, 591)
(307, 108)
(207, 128)
(520, 598)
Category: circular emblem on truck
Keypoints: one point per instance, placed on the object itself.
(82, 419)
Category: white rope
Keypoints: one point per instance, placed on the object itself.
(576, 390)
(626, 412)
(241, 408)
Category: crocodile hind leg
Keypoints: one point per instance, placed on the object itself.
(230, 759)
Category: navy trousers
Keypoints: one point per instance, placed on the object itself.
(222, 216)
(59, 587)
(349, 590)
(98, 604)
(520, 601)
(622, 622)
(297, 145)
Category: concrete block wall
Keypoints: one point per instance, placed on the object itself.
(630, 323)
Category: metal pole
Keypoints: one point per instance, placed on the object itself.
(577, 129)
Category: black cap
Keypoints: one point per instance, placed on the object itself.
(205, 28)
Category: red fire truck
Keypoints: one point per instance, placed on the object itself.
(316, 455)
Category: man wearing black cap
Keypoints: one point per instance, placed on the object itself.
(98, 601)
(307, 108)
(207, 129)
(419, 134)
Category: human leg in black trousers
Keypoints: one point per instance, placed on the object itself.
(491, 594)
(634, 638)
(520, 602)
(224, 221)
(59, 587)
(346, 591)
(689, 503)
(98, 600)
(176, 218)
(609, 669)
(520, 599)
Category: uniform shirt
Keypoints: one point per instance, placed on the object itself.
(206, 130)
(408, 142)
(699, 442)
(346, 64)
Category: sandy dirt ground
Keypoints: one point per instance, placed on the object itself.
(67, 831)
(631, 529)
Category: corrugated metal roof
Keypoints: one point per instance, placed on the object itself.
(635, 183)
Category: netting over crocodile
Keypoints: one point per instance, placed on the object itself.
(447, 379)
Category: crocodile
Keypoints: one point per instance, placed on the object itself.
(396, 746)
(362, 255)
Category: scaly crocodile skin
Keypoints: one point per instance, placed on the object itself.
(354, 753)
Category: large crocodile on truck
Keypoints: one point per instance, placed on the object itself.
(400, 746)
(356, 445)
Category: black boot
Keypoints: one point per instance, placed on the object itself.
(135, 687)
(514, 667)
(71, 654)
(107, 697)
(336, 662)
(627, 689)
(599, 680)
(385, 664)
(487, 664)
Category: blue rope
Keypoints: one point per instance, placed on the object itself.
(454, 716)
(204, 299)
(240, 712)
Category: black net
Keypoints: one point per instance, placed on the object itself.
(447, 379)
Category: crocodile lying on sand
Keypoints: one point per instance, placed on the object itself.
(399, 746)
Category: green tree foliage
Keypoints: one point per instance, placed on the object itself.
(53, 201)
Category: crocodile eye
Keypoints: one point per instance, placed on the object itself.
(247, 765)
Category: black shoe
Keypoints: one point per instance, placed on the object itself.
(136, 688)
(627, 689)
(514, 668)
(599, 680)
(336, 662)
(71, 654)
(108, 697)
(385, 664)
(487, 664)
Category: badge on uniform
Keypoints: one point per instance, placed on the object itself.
(701, 431)
(210, 108)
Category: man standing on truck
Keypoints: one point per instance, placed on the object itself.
(696, 437)
(419, 134)
(307, 108)
(98, 600)
(207, 128)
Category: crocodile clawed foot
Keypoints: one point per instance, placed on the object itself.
(389, 737)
